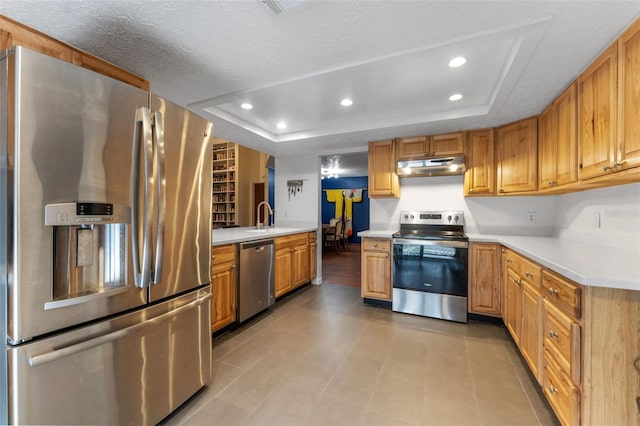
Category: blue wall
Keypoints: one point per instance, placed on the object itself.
(360, 210)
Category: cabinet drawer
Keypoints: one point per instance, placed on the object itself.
(291, 241)
(221, 254)
(524, 268)
(563, 396)
(562, 340)
(376, 244)
(563, 293)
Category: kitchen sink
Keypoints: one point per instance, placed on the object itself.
(263, 230)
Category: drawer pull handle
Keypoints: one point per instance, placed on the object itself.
(552, 389)
(553, 291)
(636, 364)
(553, 334)
(529, 274)
(509, 260)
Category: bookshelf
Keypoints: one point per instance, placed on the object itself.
(223, 194)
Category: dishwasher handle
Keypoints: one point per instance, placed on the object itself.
(256, 244)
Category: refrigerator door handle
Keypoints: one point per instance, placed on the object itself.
(162, 190)
(56, 354)
(142, 135)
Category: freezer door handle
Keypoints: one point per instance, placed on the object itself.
(56, 354)
(162, 190)
(142, 136)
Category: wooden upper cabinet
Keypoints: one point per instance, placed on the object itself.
(429, 146)
(412, 148)
(558, 142)
(383, 180)
(448, 144)
(480, 177)
(628, 152)
(13, 33)
(597, 106)
(517, 159)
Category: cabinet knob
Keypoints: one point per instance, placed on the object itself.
(233, 266)
(375, 244)
(636, 364)
(553, 291)
(528, 274)
(616, 165)
(386, 255)
(553, 334)
(501, 190)
(509, 260)
(552, 389)
(606, 168)
(550, 183)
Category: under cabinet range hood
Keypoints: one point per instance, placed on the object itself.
(431, 167)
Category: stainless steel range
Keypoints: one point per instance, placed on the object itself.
(430, 265)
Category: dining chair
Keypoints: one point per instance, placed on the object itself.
(333, 235)
(344, 238)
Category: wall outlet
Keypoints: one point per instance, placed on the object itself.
(531, 217)
(596, 220)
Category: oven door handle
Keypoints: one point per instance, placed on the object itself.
(441, 243)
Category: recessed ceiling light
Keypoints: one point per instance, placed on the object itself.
(282, 125)
(246, 106)
(346, 102)
(455, 97)
(458, 61)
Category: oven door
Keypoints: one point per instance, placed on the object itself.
(431, 266)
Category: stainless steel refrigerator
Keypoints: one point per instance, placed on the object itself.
(105, 239)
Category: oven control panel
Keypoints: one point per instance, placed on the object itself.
(432, 218)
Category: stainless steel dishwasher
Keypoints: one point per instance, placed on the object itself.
(256, 289)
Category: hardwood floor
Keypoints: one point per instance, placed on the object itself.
(342, 267)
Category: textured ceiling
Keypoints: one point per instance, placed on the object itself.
(195, 51)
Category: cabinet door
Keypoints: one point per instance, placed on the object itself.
(449, 144)
(376, 275)
(517, 169)
(383, 180)
(628, 153)
(313, 261)
(14, 34)
(513, 305)
(566, 152)
(484, 279)
(530, 337)
(300, 265)
(412, 148)
(283, 262)
(547, 148)
(480, 178)
(223, 283)
(597, 115)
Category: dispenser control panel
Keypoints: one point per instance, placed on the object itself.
(80, 213)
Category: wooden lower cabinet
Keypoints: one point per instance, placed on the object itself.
(523, 308)
(586, 341)
(484, 279)
(561, 393)
(223, 283)
(376, 269)
(313, 254)
(291, 262)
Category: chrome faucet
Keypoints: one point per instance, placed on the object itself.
(258, 223)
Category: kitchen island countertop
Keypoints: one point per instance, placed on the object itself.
(250, 233)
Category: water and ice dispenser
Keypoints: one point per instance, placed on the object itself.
(90, 250)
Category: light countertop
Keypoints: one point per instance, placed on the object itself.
(250, 233)
(587, 263)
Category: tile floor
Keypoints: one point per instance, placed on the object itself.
(322, 357)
